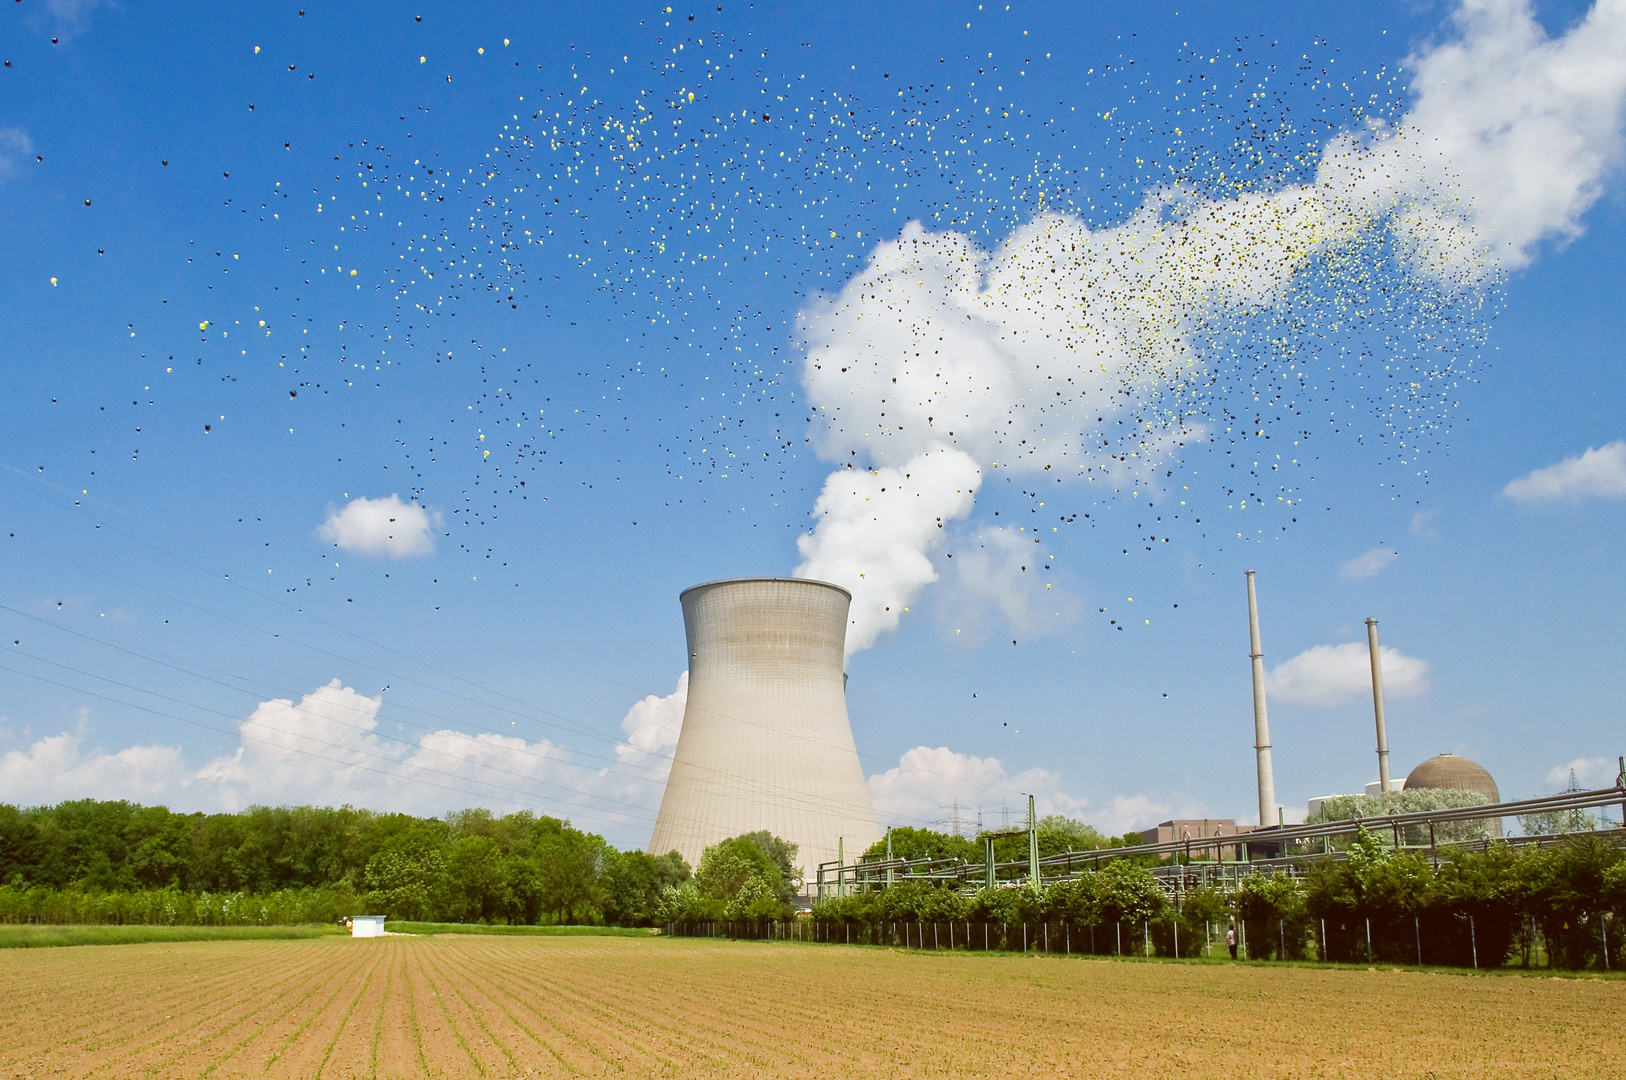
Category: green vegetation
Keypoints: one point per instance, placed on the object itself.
(751, 876)
(1484, 905)
(430, 929)
(1057, 835)
(90, 862)
(34, 936)
(1408, 801)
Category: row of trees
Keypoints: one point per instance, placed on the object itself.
(1483, 905)
(1057, 835)
(91, 861)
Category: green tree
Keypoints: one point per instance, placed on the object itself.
(477, 885)
(408, 883)
(636, 882)
(912, 843)
(738, 872)
(570, 872)
(1128, 892)
(1409, 801)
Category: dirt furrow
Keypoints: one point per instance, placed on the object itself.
(458, 1007)
(298, 992)
(199, 1014)
(626, 1016)
(581, 1037)
(616, 1005)
(173, 979)
(310, 1054)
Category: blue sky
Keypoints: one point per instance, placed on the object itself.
(179, 481)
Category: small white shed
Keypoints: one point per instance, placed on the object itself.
(367, 926)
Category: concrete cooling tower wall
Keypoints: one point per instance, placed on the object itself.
(766, 743)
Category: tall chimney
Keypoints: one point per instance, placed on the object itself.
(1261, 722)
(1377, 704)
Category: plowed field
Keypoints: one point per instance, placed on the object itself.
(500, 1007)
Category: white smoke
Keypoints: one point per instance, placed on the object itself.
(875, 528)
(1070, 350)
(1001, 569)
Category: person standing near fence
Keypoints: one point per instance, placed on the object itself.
(1230, 940)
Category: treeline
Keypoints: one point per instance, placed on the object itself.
(1056, 835)
(1483, 906)
(89, 861)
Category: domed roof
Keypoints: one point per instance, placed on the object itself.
(1454, 773)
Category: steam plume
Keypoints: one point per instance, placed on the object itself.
(1076, 351)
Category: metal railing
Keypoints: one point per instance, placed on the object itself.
(1272, 849)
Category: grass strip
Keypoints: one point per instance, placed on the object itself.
(37, 936)
(429, 929)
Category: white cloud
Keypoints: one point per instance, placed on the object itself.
(1335, 674)
(1598, 473)
(652, 727)
(928, 780)
(60, 767)
(1369, 564)
(328, 749)
(387, 527)
(15, 148)
(1528, 124)
(65, 18)
(1590, 773)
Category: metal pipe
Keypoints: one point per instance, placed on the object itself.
(1377, 704)
(1261, 721)
(1033, 843)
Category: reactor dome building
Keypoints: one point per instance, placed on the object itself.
(766, 742)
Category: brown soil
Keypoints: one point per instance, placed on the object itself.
(507, 1007)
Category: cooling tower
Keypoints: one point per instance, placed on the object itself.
(766, 743)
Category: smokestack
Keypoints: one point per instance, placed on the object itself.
(766, 742)
(1377, 704)
(1261, 722)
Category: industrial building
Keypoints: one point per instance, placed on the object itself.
(766, 742)
(1168, 832)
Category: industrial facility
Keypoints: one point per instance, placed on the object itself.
(766, 742)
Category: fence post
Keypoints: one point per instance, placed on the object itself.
(1417, 928)
(1369, 940)
(1325, 955)
(1281, 935)
(1473, 940)
(1145, 938)
(1118, 927)
(1603, 928)
(1176, 924)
